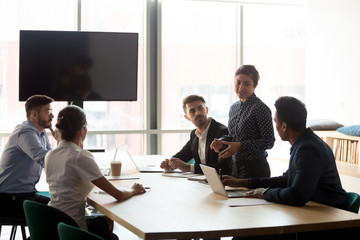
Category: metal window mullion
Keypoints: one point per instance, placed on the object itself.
(159, 76)
(239, 35)
(78, 17)
(147, 75)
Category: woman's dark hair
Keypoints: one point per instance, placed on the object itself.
(292, 111)
(70, 120)
(250, 71)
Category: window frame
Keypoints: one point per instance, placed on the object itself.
(152, 132)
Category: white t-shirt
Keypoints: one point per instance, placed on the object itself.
(69, 171)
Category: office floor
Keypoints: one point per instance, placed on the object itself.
(122, 233)
(118, 230)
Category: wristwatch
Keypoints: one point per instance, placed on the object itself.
(267, 189)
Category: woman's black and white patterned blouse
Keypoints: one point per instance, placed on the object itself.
(250, 123)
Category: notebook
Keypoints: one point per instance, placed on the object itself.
(216, 185)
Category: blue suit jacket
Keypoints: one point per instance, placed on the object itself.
(312, 175)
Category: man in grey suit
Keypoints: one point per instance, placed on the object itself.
(198, 147)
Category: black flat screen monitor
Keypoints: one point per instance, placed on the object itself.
(78, 66)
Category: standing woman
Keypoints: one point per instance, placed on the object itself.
(250, 127)
(71, 173)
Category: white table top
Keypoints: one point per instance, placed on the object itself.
(179, 208)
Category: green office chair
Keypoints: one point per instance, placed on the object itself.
(68, 232)
(42, 220)
(352, 202)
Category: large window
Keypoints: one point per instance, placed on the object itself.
(199, 56)
(117, 16)
(195, 47)
(107, 120)
(25, 15)
(275, 44)
(204, 42)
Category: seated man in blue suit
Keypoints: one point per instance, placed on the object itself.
(312, 173)
(198, 147)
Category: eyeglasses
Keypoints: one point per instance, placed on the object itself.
(48, 111)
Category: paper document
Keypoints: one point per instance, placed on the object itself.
(180, 174)
(239, 202)
(129, 177)
(197, 177)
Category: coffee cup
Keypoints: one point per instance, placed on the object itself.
(115, 168)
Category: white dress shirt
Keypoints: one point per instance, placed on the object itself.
(202, 145)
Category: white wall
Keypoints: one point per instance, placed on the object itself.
(333, 60)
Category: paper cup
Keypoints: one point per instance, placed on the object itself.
(115, 168)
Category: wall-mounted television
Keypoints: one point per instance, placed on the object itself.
(78, 66)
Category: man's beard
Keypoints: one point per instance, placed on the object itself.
(201, 123)
(44, 123)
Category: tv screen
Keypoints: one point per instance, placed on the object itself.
(78, 66)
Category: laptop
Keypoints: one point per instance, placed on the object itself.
(216, 185)
(148, 163)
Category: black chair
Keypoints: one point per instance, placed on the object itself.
(14, 222)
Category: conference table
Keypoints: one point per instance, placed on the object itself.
(179, 208)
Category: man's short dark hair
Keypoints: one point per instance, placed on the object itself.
(192, 98)
(250, 71)
(292, 111)
(36, 101)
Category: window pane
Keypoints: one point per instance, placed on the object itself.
(16, 15)
(113, 15)
(177, 140)
(133, 143)
(116, 16)
(277, 48)
(198, 57)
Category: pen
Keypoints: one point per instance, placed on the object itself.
(220, 173)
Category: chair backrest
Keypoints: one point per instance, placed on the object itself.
(352, 202)
(68, 232)
(42, 220)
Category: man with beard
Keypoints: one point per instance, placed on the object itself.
(23, 157)
(198, 147)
